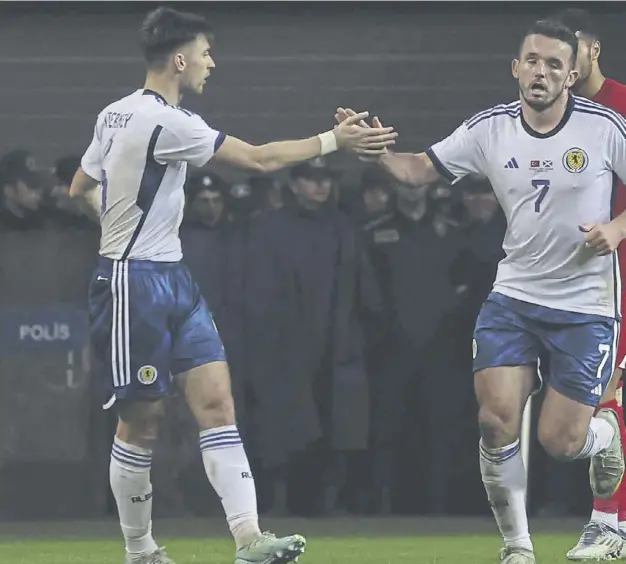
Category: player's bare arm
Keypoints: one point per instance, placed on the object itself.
(274, 156)
(82, 184)
(83, 189)
(409, 168)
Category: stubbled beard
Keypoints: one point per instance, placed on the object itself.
(540, 106)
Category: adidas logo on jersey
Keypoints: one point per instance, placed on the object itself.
(511, 164)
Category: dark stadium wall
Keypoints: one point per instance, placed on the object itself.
(282, 68)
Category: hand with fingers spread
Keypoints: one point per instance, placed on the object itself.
(354, 134)
(342, 115)
(602, 238)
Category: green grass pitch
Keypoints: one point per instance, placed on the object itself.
(441, 549)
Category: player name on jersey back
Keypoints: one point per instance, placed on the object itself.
(139, 153)
(114, 120)
(548, 185)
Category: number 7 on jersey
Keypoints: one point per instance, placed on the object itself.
(544, 186)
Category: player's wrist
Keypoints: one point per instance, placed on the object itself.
(620, 223)
(328, 142)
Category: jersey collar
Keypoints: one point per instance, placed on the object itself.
(568, 112)
(148, 92)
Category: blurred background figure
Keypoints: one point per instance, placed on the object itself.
(206, 194)
(310, 289)
(246, 200)
(23, 192)
(412, 409)
(271, 191)
(60, 208)
(377, 196)
(480, 251)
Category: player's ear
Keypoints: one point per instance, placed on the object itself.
(595, 50)
(179, 62)
(515, 68)
(571, 79)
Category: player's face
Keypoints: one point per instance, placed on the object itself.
(544, 71)
(197, 64)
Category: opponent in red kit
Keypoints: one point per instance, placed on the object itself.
(604, 536)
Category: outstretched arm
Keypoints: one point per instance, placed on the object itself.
(408, 168)
(280, 154)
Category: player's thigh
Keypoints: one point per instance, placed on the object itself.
(130, 335)
(505, 350)
(196, 340)
(563, 424)
(199, 360)
(582, 358)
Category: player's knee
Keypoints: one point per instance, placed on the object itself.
(139, 422)
(215, 411)
(498, 427)
(559, 444)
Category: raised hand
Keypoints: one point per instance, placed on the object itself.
(354, 134)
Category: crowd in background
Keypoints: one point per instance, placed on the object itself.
(347, 315)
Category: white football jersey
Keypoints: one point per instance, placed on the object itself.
(548, 185)
(139, 153)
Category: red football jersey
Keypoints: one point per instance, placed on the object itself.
(613, 95)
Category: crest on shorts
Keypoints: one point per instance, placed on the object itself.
(147, 375)
(575, 160)
(474, 348)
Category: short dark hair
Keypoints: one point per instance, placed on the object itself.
(164, 30)
(580, 20)
(554, 30)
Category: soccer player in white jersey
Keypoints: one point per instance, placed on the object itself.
(149, 325)
(550, 157)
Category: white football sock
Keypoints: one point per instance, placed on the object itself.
(130, 483)
(599, 436)
(504, 478)
(228, 470)
(609, 519)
